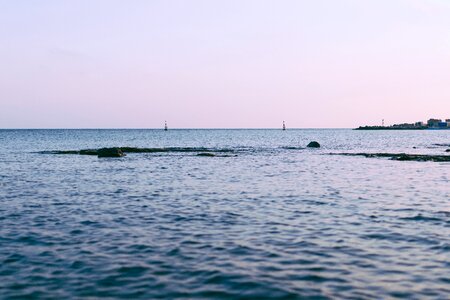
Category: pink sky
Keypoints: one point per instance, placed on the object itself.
(223, 64)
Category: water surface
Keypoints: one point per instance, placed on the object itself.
(272, 222)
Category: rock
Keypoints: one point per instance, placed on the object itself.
(110, 152)
(140, 150)
(448, 150)
(60, 152)
(313, 144)
(206, 154)
(88, 152)
(401, 156)
(292, 148)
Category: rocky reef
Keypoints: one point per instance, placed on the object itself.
(121, 151)
(110, 152)
(228, 152)
(401, 156)
(206, 154)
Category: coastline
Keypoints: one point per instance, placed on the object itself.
(398, 128)
(388, 128)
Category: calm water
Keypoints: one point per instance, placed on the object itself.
(268, 223)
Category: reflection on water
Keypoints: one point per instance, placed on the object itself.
(276, 221)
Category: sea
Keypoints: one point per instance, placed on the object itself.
(265, 218)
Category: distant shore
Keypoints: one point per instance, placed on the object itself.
(398, 128)
(432, 124)
(390, 128)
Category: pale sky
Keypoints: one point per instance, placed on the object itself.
(222, 63)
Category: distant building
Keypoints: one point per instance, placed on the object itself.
(434, 123)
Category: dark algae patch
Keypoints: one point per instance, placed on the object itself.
(401, 156)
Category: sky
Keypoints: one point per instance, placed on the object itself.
(223, 63)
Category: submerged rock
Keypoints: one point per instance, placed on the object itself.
(206, 154)
(60, 152)
(401, 156)
(110, 152)
(313, 144)
(88, 152)
(173, 149)
(292, 148)
(142, 150)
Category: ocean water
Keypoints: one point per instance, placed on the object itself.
(270, 221)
